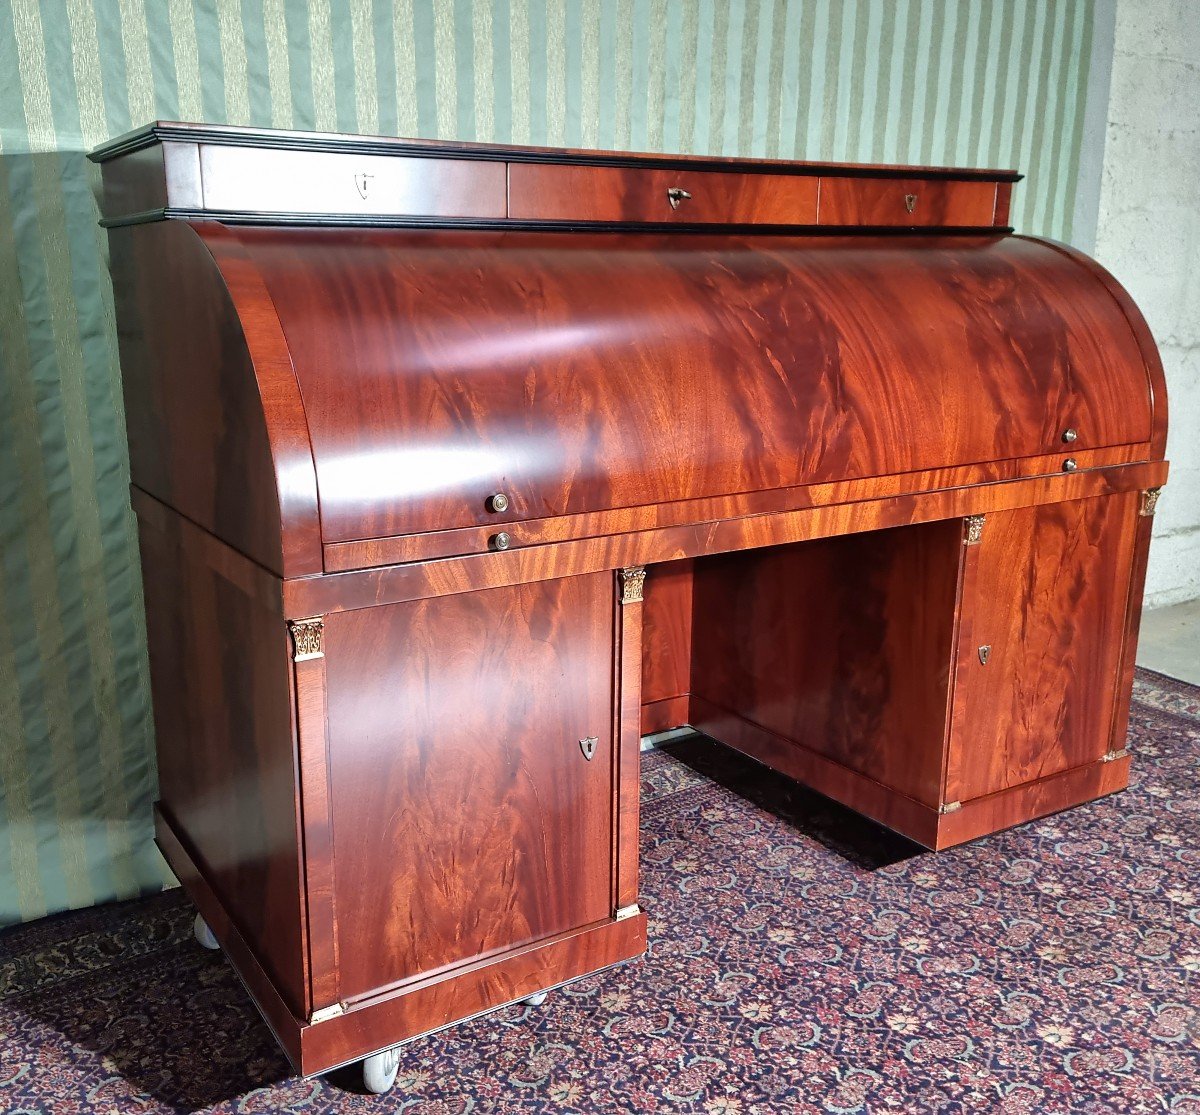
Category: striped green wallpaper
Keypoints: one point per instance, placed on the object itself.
(978, 82)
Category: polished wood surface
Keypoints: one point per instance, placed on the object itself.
(841, 646)
(364, 588)
(414, 548)
(1049, 600)
(223, 725)
(667, 633)
(743, 446)
(907, 203)
(583, 193)
(198, 436)
(464, 385)
(496, 829)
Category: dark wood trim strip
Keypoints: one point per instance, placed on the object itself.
(229, 136)
(508, 224)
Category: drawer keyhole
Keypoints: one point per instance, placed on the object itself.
(677, 196)
(910, 202)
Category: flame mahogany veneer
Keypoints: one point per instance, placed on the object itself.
(820, 459)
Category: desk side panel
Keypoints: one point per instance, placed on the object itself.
(212, 408)
(219, 673)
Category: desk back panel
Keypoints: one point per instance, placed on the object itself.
(841, 646)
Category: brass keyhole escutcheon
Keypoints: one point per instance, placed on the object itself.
(588, 747)
(910, 202)
(677, 196)
(985, 652)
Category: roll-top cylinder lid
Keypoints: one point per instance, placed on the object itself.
(587, 371)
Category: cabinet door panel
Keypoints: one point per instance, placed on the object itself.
(466, 818)
(1047, 598)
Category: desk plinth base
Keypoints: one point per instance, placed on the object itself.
(417, 1008)
(932, 827)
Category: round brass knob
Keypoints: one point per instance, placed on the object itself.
(500, 541)
(497, 503)
(1070, 435)
(1070, 464)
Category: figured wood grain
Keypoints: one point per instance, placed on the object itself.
(362, 554)
(466, 819)
(585, 193)
(843, 784)
(628, 623)
(886, 202)
(667, 632)
(199, 439)
(1152, 361)
(438, 368)
(786, 429)
(841, 645)
(312, 755)
(1029, 800)
(1050, 601)
(280, 403)
(378, 1023)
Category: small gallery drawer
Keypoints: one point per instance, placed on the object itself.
(591, 193)
(272, 181)
(907, 203)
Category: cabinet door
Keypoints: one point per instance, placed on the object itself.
(467, 818)
(1045, 591)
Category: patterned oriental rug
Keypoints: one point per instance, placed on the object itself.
(802, 960)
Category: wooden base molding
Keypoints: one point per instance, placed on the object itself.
(935, 828)
(377, 1023)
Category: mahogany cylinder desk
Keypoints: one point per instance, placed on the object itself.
(458, 468)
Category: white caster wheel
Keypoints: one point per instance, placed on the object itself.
(203, 934)
(536, 1000)
(379, 1071)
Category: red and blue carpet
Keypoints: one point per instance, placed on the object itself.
(802, 960)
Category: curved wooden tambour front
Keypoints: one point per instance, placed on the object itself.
(577, 373)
